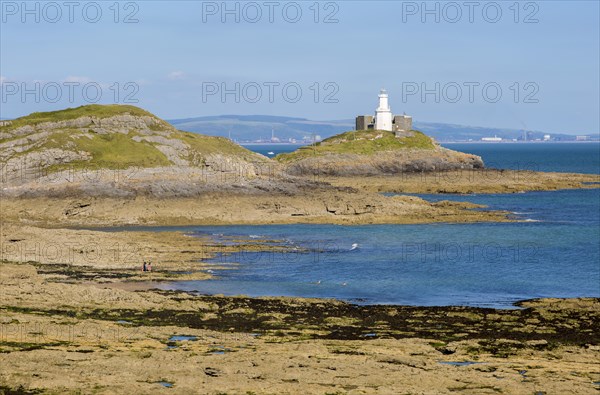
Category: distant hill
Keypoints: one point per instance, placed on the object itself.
(245, 128)
(451, 132)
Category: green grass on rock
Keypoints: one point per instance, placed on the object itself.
(361, 142)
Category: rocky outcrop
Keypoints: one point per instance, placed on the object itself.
(376, 152)
(70, 153)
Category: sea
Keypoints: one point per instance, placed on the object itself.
(553, 252)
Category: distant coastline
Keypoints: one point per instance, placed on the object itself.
(441, 142)
(520, 142)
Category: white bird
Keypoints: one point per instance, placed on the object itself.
(354, 246)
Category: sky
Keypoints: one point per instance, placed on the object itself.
(507, 64)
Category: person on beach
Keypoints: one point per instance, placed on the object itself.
(149, 267)
(144, 268)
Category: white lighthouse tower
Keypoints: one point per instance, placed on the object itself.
(383, 114)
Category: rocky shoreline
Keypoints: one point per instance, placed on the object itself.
(78, 314)
(349, 209)
(77, 299)
(113, 340)
(89, 308)
(335, 200)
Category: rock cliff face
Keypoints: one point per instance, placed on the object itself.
(88, 146)
(368, 153)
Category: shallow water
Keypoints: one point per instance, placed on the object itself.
(554, 252)
(560, 157)
(489, 265)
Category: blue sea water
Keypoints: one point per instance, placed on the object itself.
(554, 253)
(276, 149)
(559, 157)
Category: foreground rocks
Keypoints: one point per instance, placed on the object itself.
(65, 336)
(74, 317)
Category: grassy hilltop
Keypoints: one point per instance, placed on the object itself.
(109, 136)
(361, 142)
(92, 110)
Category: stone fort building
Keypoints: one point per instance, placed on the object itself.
(383, 119)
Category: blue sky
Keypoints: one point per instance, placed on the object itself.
(540, 75)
